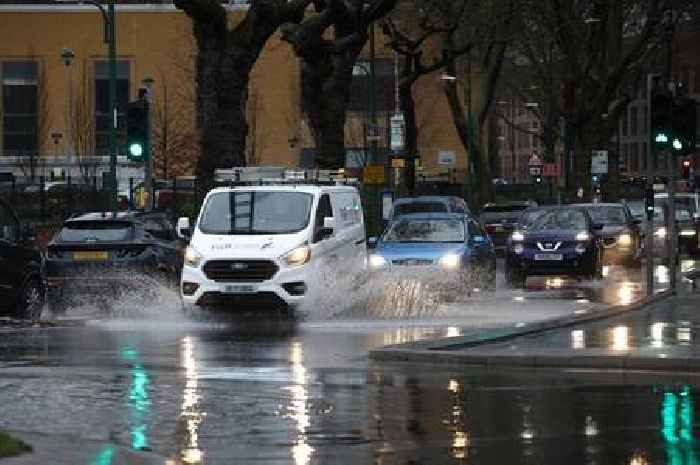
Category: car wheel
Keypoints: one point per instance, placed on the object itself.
(31, 300)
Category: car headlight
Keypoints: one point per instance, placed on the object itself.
(450, 260)
(583, 236)
(660, 233)
(192, 257)
(517, 236)
(376, 261)
(624, 239)
(297, 257)
(688, 232)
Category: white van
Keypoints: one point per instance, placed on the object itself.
(266, 245)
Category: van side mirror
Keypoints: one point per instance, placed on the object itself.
(372, 242)
(326, 231)
(329, 223)
(184, 231)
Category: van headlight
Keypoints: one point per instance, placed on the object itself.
(192, 257)
(625, 239)
(451, 261)
(297, 257)
(376, 261)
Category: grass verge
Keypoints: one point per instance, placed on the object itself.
(10, 446)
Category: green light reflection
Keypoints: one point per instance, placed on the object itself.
(677, 423)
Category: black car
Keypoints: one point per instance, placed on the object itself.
(499, 219)
(96, 255)
(558, 241)
(22, 288)
(621, 233)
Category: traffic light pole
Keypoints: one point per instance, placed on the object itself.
(112, 104)
(671, 223)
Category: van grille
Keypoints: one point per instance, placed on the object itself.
(234, 271)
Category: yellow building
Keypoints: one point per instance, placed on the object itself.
(54, 85)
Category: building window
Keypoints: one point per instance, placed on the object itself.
(644, 120)
(624, 123)
(103, 117)
(634, 119)
(384, 86)
(20, 122)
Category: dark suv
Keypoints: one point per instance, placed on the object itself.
(22, 290)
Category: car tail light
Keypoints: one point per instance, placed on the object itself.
(490, 228)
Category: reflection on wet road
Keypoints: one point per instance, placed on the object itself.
(280, 392)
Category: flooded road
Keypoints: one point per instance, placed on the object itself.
(264, 390)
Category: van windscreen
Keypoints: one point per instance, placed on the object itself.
(256, 212)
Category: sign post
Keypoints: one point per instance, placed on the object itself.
(397, 132)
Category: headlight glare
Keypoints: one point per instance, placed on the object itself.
(192, 257)
(518, 248)
(376, 261)
(583, 236)
(688, 232)
(298, 256)
(624, 239)
(660, 233)
(517, 236)
(450, 260)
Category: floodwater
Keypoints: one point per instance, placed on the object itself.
(266, 390)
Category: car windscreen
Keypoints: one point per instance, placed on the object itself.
(419, 207)
(96, 231)
(560, 220)
(426, 230)
(682, 214)
(608, 215)
(528, 218)
(497, 213)
(256, 212)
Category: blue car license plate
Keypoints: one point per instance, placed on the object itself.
(549, 257)
(240, 289)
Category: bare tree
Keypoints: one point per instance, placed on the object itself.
(226, 55)
(580, 57)
(257, 134)
(82, 128)
(329, 43)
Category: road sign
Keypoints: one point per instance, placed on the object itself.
(535, 170)
(373, 174)
(397, 132)
(599, 162)
(534, 160)
(447, 158)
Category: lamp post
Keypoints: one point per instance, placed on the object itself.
(147, 83)
(110, 38)
(67, 57)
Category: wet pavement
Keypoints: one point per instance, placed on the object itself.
(264, 390)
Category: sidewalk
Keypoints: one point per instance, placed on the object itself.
(69, 450)
(657, 335)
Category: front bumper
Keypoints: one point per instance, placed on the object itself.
(286, 288)
(572, 264)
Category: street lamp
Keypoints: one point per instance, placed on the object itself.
(67, 57)
(110, 38)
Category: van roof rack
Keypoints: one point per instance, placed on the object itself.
(275, 175)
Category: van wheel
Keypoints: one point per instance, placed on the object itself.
(31, 300)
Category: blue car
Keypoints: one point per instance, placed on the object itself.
(554, 241)
(452, 245)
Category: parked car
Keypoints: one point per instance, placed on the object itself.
(22, 285)
(688, 200)
(499, 220)
(453, 246)
(94, 254)
(562, 240)
(428, 204)
(272, 245)
(621, 233)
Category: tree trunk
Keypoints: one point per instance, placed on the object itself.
(408, 104)
(582, 166)
(482, 167)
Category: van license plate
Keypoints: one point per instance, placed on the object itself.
(549, 257)
(240, 289)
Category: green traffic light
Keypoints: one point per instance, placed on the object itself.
(136, 150)
(661, 138)
(677, 144)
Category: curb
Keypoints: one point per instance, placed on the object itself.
(443, 350)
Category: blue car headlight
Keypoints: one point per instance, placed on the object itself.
(377, 261)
